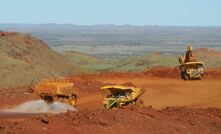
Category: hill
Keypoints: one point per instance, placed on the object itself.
(24, 59)
(91, 64)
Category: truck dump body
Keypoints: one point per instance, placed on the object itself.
(50, 90)
(54, 88)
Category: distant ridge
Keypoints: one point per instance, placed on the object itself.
(121, 40)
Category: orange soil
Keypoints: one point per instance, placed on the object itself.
(164, 92)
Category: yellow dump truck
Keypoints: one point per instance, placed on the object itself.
(120, 95)
(190, 68)
(56, 90)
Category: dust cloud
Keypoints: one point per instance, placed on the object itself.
(40, 106)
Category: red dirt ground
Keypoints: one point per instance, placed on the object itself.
(172, 106)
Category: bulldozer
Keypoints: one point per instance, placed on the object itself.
(116, 96)
(56, 90)
(190, 68)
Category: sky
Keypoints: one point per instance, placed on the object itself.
(118, 12)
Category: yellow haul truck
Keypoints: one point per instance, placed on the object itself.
(120, 95)
(56, 90)
(190, 68)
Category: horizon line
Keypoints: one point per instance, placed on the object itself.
(132, 25)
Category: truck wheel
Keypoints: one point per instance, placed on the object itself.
(134, 102)
(105, 106)
(116, 105)
(186, 76)
(48, 99)
(182, 74)
(72, 100)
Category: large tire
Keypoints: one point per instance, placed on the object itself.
(105, 106)
(186, 76)
(182, 74)
(72, 100)
(48, 99)
(134, 102)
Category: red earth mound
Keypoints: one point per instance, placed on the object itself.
(126, 120)
(158, 72)
(163, 72)
(213, 73)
